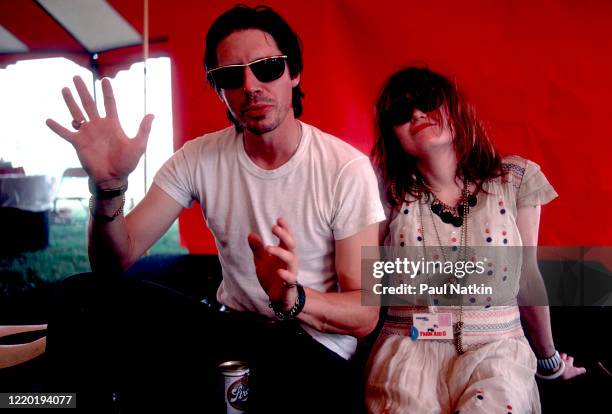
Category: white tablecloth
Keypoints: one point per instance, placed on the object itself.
(27, 192)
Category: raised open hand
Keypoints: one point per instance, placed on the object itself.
(105, 152)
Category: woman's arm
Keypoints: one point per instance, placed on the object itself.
(534, 313)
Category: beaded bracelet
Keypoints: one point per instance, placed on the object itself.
(295, 309)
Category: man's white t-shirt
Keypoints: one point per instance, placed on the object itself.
(327, 191)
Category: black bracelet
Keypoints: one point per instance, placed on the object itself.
(106, 193)
(295, 309)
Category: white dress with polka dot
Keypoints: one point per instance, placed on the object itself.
(496, 372)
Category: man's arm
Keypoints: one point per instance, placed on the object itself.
(342, 312)
(115, 246)
(334, 312)
(109, 156)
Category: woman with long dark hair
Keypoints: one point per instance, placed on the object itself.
(449, 192)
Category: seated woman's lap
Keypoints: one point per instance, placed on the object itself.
(499, 378)
(407, 376)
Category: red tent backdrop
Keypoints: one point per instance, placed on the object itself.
(537, 72)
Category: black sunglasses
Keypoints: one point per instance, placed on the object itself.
(401, 111)
(266, 69)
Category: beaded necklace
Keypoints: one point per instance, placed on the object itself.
(463, 208)
(447, 213)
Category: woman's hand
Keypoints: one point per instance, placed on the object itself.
(105, 152)
(570, 370)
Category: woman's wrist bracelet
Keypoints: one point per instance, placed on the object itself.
(555, 374)
(549, 364)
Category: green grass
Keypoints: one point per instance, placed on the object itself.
(66, 255)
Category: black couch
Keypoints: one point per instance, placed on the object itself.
(198, 276)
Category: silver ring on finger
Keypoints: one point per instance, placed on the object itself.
(77, 124)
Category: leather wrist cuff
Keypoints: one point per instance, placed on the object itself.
(106, 193)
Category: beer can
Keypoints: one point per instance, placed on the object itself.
(236, 386)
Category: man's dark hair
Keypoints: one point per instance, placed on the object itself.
(263, 18)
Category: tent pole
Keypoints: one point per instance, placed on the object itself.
(145, 58)
(93, 59)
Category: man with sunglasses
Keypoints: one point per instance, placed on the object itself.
(290, 208)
